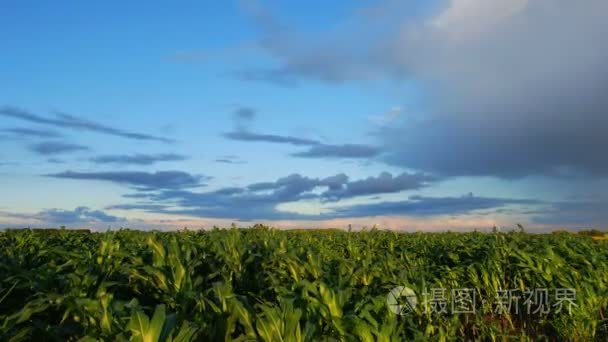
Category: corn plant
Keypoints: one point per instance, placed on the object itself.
(263, 284)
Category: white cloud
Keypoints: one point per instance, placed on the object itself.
(388, 117)
(465, 18)
(511, 87)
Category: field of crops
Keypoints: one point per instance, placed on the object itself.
(272, 285)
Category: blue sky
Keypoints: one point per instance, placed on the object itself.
(421, 115)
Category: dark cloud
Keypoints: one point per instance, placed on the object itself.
(245, 113)
(220, 204)
(243, 117)
(429, 206)
(385, 183)
(328, 56)
(230, 191)
(67, 121)
(514, 87)
(316, 150)
(335, 183)
(138, 195)
(80, 215)
(235, 203)
(140, 206)
(270, 138)
(247, 206)
(140, 180)
(229, 160)
(56, 147)
(266, 20)
(260, 200)
(579, 213)
(340, 151)
(137, 159)
(32, 133)
(55, 161)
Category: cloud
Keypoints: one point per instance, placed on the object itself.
(316, 150)
(230, 160)
(137, 159)
(245, 113)
(67, 121)
(385, 183)
(270, 138)
(144, 181)
(243, 117)
(578, 213)
(56, 147)
(520, 90)
(55, 161)
(339, 151)
(247, 206)
(512, 88)
(260, 200)
(140, 206)
(32, 133)
(328, 56)
(80, 215)
(429, 206)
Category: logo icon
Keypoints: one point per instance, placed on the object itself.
(401, 300)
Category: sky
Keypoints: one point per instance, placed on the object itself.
(407, 115)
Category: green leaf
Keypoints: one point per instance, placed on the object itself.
(139, 325)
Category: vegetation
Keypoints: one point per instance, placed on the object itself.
(271, 285)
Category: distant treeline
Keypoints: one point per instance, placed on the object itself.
(52, 230)
(591, 232)
(585, 232)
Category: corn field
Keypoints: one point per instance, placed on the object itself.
(262, 284)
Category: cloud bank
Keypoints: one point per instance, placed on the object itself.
(137, 159)
(62, 120)
(263, 201)
(340, 151)
(80, 215)
(513, 87)
(145, 181)
(269, 138)
(56, 147)
(31, 133)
